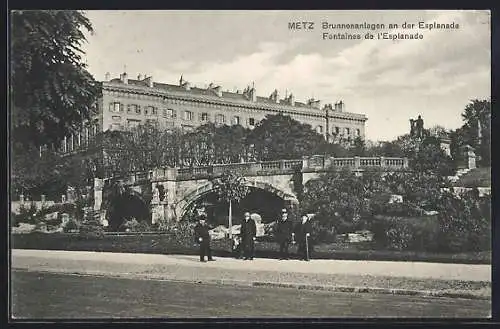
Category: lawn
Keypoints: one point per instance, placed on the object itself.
(166, 244)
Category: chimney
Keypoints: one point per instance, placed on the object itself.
(218, 91)
(339, 106)
(314, 103)
(185, 84)
(275, 96)
(139, 77)
(149, 81)
(106, 76)
(291, 100)
(124, 78)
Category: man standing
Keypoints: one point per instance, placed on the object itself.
(248, 233)
(202, 237)
(284, 234)
(303, 235)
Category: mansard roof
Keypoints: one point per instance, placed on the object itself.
(209, 94)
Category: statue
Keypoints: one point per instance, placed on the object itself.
(156, 195)
(417, 127)
(420, 127)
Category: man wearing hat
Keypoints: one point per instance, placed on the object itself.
(303, 231)
(248, 233)
(202, 237)
(284, 233)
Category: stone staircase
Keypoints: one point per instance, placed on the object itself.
(458, 174)
(461, 172)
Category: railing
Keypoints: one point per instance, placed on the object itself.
(342, 162)
(314, 163)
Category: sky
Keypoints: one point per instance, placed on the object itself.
(390, 81)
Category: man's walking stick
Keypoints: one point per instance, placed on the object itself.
(307, 246)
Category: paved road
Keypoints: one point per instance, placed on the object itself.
(414, 270)
(62, 296)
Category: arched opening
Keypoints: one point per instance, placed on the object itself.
(126, 206)
(265, 203)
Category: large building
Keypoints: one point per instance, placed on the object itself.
(126, 103)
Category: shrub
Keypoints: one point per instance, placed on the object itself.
(130, 224)
(323, 231)
(181, 233)
(402, 209)
(91, 229)
(405, 233)
(465, 223)
(27, 214)
(67, 208)
(71, 226)
(54, 221)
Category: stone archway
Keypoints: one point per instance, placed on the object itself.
(127, 204)
(182, 206)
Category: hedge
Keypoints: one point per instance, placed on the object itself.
(172, 243)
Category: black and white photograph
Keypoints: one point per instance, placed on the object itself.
(249, 164)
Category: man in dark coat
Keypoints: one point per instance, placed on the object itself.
(202, 237)
(284, 234)
(248, 233)
(302, 232)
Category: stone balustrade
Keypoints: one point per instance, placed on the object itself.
(308, 164)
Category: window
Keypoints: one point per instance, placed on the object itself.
(319, 129)
(115, 107)
(251, 121)
(204, 116)
(358, 132)
(188, 115)
(337, 130)
(134, 108)
(116, 117)
(347, 131)
(150, 110)
(152, 122)
(220, 118)
(236, 120)
(133, 123)
(169, 113)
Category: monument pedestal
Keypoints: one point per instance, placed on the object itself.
(158, 212)
(467, 157)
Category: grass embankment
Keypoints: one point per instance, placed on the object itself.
(478, 177)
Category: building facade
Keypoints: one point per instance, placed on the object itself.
(126, 103)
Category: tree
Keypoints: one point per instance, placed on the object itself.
(477, 128)
(358, 147)
(387, 149)
(438, 131)
(341, 199)
(281, 137)
(431, 158)
(35, 174)
(51, 91)
(230, 188)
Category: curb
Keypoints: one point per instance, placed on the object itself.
(373, 290)
(345, 289)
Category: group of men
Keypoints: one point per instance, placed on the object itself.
(285, 233)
